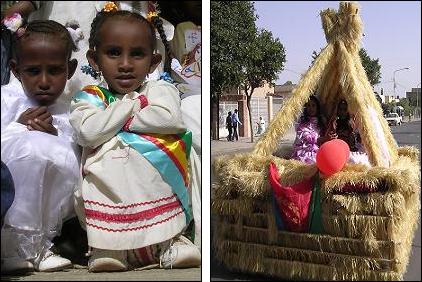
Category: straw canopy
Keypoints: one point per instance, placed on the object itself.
(336, 74)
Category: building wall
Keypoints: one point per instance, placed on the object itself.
(259, 106)
(236, 99)
(391, 99)
(414, 96)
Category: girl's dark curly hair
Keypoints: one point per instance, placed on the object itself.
(305, 117)
(47, 27)
(94, 38)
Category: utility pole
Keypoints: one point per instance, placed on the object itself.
(394, 80)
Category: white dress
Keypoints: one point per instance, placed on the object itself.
(45, 170)
(124, 201)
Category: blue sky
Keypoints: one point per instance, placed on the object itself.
(392, 33)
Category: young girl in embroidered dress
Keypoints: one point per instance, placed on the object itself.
(134, 198)
(308, 132)
(37, 146)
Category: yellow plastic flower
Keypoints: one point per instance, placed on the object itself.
(150, 15)
(110, 6)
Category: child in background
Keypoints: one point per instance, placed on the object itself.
(134, 198)
(308, 132)
(37, 147)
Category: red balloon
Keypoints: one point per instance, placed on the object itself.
(332, 156)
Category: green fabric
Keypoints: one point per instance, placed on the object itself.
(315, 222)
(109, 96)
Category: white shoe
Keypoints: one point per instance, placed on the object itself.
(180, 253)
(53, 262)
(15, 265)
(107, 260)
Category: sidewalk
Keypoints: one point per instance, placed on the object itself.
(224, 147)
(406, 119)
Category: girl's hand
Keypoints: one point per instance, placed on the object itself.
(32, 113)
(42, 125)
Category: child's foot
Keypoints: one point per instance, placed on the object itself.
(107, 260)
(53, 262)
(180, 253)
(15, 265)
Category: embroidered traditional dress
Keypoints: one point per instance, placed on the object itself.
(45, 170)
(305, 146)
(134, 191)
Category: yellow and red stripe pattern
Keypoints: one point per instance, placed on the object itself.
(175, 149)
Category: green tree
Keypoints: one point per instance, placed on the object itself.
(262, 61)
(232, 29)
(371, 66)
(405, 103)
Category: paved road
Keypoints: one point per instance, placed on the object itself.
(406, 134)
(190, 274)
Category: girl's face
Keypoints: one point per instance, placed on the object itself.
(43, 67)
(311, 108)
(124, 55)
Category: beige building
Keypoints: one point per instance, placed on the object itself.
(391, 99)
(266, 101)
(236, 99)
(281, 93)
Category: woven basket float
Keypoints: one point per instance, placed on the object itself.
(367, 236)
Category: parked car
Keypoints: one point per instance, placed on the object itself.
(394, 119)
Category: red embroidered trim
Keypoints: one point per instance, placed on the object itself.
(134, 228)
(143, 215)
(143, 100)
(131, 205)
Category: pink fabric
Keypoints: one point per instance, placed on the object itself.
(305, 146)
(293, 201)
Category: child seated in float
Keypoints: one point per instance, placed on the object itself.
(343, 126)
(309, 130)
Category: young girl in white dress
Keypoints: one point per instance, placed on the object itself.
(134, 197)
(38, 148)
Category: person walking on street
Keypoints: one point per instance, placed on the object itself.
(261, 126)
(229, 126)
(236, 121)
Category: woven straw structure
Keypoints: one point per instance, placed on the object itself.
(367, 236)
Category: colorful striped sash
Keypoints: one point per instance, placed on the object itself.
(168, 153)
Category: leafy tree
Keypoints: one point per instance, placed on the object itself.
(371, 66)
(404, 102)
(387, 108)
(264, 59)
(232, 29)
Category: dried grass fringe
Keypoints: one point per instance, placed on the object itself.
(253, 258)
